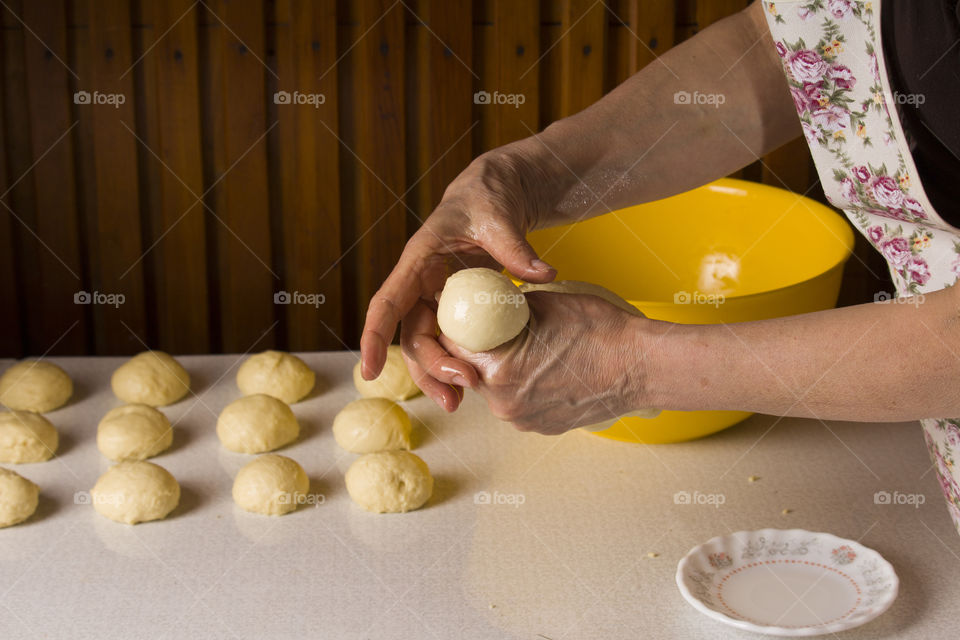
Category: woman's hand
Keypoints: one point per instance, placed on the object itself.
(481, 221)
(580, 361)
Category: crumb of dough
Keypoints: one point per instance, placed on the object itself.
(653, 554)
(753, 478)
(786, 512)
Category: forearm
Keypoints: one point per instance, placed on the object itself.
(637, 144)
(873, 362)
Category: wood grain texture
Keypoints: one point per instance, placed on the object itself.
(303, 198)
(377, 228)
(238, 217)
(171, 155)
(307, 171)
(583, 52)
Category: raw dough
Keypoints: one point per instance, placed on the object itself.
(368, 425)
(18, 498)
(35, 385)
(256, 424)
(578, 287)
(389, 482)
(278, 374)
(394, 382)
(272, 485)
(133, 432)
(26, 437)
(480, 309)
(133, 492)
(151, 377)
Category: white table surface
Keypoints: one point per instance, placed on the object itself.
(569, 562)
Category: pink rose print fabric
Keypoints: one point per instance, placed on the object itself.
(834, 66)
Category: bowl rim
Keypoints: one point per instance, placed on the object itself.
(825, 212)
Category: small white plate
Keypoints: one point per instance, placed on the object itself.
(787, 582)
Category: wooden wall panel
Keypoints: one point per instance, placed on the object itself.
(307, 171)
(238, 219)
(201, 197)
(379, 224)
(583, 54)
(171, 157)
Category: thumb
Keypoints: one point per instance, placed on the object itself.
(508, 246)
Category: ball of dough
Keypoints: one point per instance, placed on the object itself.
(368, 425)
(394, 381)
(278, 374)
(151, 377)
(588, 288)
(389, 482)
(26, 437)
(18, 498)
(256, 424)
(133, 492)
(133, 432)
(35, 385)
(272, 485)
(480, 309)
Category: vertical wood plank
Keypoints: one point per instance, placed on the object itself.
(112, 207)
(172, 159)
(789, 167)
(444, 114)
(379, 225)
(652, 27)
(56, 217)
(710, 11)
(11, 345)
(582, 48)
(516, 41)
(307, 168)
(240, 223)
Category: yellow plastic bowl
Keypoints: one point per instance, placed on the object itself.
(730, 251)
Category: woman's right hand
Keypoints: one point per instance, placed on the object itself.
(482, 220)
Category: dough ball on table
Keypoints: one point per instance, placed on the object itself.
(256, 424)
(26, 437)
(389, 482)
(35, 385)
(151, 377)
(133, 432)
(480, 309)
(18, 498)
(578, 287)
(278, 374)
(372, 424)
(394, 382)
(133, 492)
(272, 485)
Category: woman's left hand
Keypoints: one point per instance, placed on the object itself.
(580, 361)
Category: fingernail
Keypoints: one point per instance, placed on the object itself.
(460, 380)
(540, 265)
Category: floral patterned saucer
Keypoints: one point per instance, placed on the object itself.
(787, 582)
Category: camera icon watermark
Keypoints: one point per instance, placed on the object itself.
(296, 297)
(714, 500)
(87, 98)
(85, 497)
(497, 498)
(884, 297)
(685, 97)
(485, 97)
(95, 297)
(499, 297)
(300, 499)
(312, 99)
(697, 297)
(896, 498)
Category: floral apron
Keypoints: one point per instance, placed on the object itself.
(833, 59)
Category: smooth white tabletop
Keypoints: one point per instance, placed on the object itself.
(561, 551)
